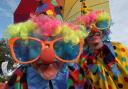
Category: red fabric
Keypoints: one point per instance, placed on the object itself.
(19, 72)
(25, 86)
(24, 9)
(126, 79)
(3, 86)
(75, 77)
(123, 49)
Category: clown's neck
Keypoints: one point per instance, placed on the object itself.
(96, 46)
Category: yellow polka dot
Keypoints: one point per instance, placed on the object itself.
(49, 12)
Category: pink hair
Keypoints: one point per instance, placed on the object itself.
(99, 11)
(72, 26)
(87, 19)
(46, 24)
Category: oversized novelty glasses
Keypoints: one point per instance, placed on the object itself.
(28, 53)
(100, 25)
(96, 33)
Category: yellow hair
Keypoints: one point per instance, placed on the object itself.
(103, 16)
(20, 29)
(71, 35)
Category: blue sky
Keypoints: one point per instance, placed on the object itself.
(7, 7)
(118, 8)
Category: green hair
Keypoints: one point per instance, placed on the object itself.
(21, 29)
(103, 16)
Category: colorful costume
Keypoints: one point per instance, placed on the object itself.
(28, 78)
(106, 67)
(32, 41)
(42, 45)
(41, 35)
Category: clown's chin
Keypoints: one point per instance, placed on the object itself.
(49, 71)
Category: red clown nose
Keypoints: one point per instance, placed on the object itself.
(47, 55)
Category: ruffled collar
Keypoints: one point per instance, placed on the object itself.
(107, 52)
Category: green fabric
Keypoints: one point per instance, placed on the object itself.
(70, 83)
(18, 86)
(54, 2)
(94, 68)
(80, 76)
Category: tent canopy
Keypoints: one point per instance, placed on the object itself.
(70, 8)
(24, 9)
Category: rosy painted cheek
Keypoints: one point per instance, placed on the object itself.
(97, 39)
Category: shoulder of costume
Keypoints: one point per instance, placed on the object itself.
(119, 45)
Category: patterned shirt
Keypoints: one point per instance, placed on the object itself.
(105, 68)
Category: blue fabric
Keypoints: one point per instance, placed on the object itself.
(41, 8)
(110, 56)
(35, 81)
(110, 47)
(103, 24)
(115, 70)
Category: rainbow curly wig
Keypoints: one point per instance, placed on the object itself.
(49, 27)
(100, 19)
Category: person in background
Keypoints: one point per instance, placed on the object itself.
(103, 63)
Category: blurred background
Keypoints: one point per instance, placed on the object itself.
(118, 10)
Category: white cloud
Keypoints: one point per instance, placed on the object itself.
(119, 13)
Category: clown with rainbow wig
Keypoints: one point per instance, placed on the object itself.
(103, 63)
(54, 54)
(44, 47)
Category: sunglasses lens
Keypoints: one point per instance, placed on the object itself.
(26, 50)
(66, 51)
(102, 24)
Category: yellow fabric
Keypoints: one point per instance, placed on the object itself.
(72, 8)
(108, 81)
(98, 4)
